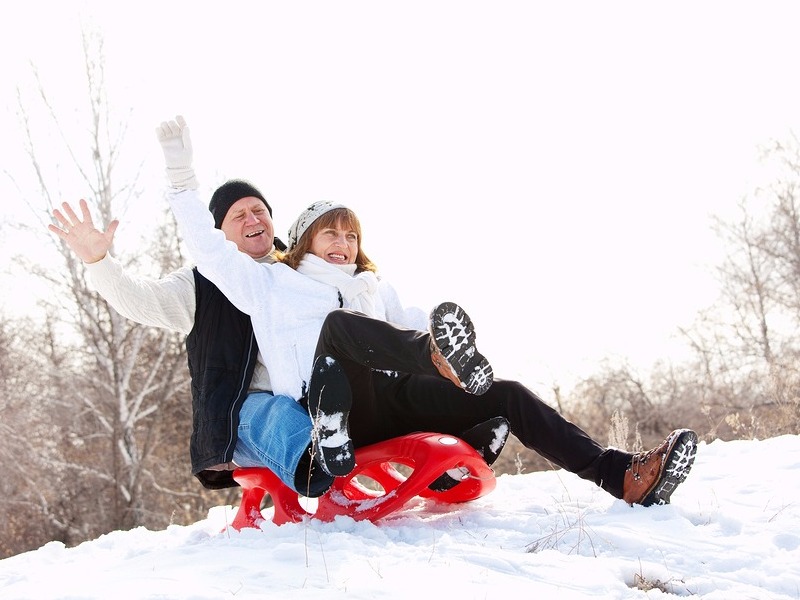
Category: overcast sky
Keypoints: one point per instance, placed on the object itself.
(551, 166)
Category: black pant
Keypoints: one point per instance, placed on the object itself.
(397, 390)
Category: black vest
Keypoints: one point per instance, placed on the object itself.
(222, 355)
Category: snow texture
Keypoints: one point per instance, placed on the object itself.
(732, 531)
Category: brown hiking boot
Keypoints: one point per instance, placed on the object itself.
(652, 476)
(453, 349)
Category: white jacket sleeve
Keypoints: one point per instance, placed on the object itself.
(168, 302)
(240, 278)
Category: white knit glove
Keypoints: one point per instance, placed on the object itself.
(177, 146)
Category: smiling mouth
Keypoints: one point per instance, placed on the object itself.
(254, 234)
(337, 257)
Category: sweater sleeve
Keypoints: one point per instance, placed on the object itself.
(236, 274)
(168, 302)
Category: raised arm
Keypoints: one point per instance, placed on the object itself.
(237, 275)
(168, 302)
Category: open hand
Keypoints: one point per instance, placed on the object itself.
(80, 234)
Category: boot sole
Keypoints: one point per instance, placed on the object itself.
(677, 464)
(454, 334)
(329, 402)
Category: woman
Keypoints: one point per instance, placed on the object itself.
(325, 244)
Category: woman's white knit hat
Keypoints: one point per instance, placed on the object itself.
(307, 217)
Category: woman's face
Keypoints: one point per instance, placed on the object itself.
(337, 245)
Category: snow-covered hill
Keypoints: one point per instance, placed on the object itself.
(732, 531)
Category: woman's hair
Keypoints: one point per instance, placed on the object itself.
(341, 217)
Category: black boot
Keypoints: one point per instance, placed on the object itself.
(309, 478)
(329, 401)
(488, 438)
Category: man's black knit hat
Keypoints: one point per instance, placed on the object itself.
(228, 194)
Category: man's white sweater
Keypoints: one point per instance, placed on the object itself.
(168, 302)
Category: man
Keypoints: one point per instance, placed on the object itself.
(230, 385)
(237, 421)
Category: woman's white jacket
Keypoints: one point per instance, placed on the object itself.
(287, 308)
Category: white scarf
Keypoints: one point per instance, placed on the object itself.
(358, 291)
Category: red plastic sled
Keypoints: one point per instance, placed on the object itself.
(428, 454)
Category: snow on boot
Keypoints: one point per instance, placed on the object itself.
(329, 401)
(453, 349)
(488, 438)
(652, 476)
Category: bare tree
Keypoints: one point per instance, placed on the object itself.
(748, 282)
(746, 376)
(111, 387)
(19, 389)
(761, 298)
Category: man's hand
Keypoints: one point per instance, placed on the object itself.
(177, 146)
(85, 240)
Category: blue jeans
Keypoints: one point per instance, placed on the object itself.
(274, 432)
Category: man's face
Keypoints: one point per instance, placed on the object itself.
(249, 226)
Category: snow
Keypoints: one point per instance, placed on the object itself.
(732, 531)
